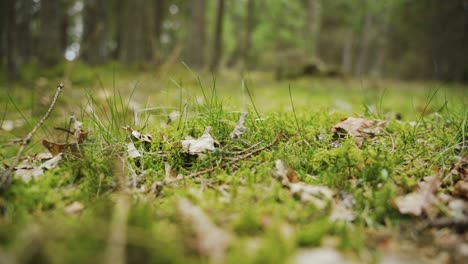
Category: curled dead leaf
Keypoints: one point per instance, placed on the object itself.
(359, 128)
(28, 171)
(239, 129)
(196, 146)
(423, 199)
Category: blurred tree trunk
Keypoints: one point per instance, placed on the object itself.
(10, 39)
(313, 21)
(347, 56)
(364, 45)
(195, 50)
(159, 15)
(382, 45)
(218, 37)
(25, 35)
(242, 52)
(95, 32)
(249, 28)
(3, 17)
(50, 36)
(135, 44)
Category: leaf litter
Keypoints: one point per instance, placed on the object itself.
(200, 145)
(209, 240)
(239, 129)
(319, 195)
(359, 128)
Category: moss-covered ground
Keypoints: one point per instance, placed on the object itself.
(128, 212)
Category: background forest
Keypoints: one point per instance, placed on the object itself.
(408, 39)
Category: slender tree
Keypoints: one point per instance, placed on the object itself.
(136, 31)
(218, 37)
(95, 32)
(3, 17)
(364, 45)
(10, 39)
(249, 28)
(195, 50)
(313, 18)
(159, 15)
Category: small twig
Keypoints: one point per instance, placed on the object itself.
(157, 186)
(6, 176)
(448, 222)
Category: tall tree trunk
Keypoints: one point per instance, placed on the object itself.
(160, 13)
(195, 50)
(347, 56)
(95, 32)
(249, 28)
(313, 21)
(366, 38)
(25, 35)
(382, 45)
(134, 46)
(10, 40)
(50, 39)
(218, 37)
(3, 17)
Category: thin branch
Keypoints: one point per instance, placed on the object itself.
(5, 179)
(158, 186)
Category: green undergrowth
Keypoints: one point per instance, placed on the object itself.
(268, 224)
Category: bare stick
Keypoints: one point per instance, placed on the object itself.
(5, 179)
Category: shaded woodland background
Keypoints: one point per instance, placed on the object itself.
(405, 39)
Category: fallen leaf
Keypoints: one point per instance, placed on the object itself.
(461, 169)
(359, 128)
(316, 194)
(26, 171)
(65, 148)
(341, 213)
(132, 151)
(239, 129)
(74, 208)
(458, 209)
(200, 145)
(136, 136)
(323, 255)
(423, 199)
(461, 189)
(210, 240)
(292, 176)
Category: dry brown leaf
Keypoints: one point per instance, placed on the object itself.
(359, 128)
(65, 148)
(461, 189)
(423, 199)
(461, 169)
(292, 176)
(210, 240)
(239, 129)
(200, 145)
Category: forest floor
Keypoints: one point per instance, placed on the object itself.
(156, 168)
